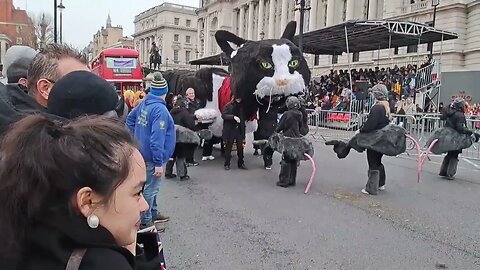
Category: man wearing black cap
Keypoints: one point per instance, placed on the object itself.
(82, 93)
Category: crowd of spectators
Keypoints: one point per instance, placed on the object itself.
(333, 91)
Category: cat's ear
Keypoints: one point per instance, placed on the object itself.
(290, 29)
(223, 37)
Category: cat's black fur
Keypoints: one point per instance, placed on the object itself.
(246, 65)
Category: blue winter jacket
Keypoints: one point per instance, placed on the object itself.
(152, 126)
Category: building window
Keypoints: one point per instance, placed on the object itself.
(176, 21)
(19, 29)
(335, 59)
(395, 50)
(187, 39)
(176, 37)
(356, 57)
(175, 56)
(316, 60)
(187, 57)
(412, 48)
(19, 41)
(189, 23)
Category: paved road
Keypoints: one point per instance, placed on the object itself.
(241, 220)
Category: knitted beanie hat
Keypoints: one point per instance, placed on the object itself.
(380, 92)
(159, 86)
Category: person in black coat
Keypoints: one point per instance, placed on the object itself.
(182, 117)
(233, 131)
(290, 125)
(60, 208)
(268, 120)
(378, 118)
(454, 117)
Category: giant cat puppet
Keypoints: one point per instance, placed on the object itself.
(263, 73)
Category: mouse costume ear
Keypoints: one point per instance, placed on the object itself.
(224, 37)
(290, 29)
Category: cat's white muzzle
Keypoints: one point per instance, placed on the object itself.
(293, 84)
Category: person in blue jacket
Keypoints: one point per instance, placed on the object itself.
(152, 126)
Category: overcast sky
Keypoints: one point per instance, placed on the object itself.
(83, 18)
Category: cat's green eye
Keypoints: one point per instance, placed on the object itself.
(293, 63)
(266, 65)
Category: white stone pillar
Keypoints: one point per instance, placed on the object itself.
(372, 9)
(250, 21)
(261, 11)
(297, 19)
(241, 27)
(206, 34)
(330, 12)
(271, 19)
(350, 9)
(199, 31)
(234, 21)
(312, 25)
(284, 16)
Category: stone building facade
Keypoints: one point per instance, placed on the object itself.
(173, 28)
(259, 19)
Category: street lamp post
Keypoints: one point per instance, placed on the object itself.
(55, 39)
(302, 10)
(435, 4)
(61, 7)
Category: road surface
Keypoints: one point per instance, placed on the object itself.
(241, 220)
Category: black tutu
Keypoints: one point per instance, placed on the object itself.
(390, 141)
(449, 140)
(291, 148)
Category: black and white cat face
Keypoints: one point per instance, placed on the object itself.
(266, 71)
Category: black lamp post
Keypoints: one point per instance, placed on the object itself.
(55, 39)
(435, 4)
(302, 10)
(61, 7)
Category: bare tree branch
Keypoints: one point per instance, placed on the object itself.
(43, 23)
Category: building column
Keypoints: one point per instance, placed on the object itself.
(372, 9)
(312, 25)
(250, 21)
(199, 31)
(284, 16)
(206, 37)
(145, 54)
(271, 19)
(297, 19)
(241, 22)
(261, 11)
(234, 21)
(330, 12)
(350, 9)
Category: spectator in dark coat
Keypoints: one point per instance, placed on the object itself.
(378, 118)
(192, 106)
(233, 131)
(454, 116)
(291, 125)
(182, 117)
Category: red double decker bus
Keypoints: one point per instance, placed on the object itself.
(121, 67)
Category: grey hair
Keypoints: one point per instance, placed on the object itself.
(45, 64)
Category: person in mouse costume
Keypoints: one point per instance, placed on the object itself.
(452, 138)
(378, 137)
(289, 141)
